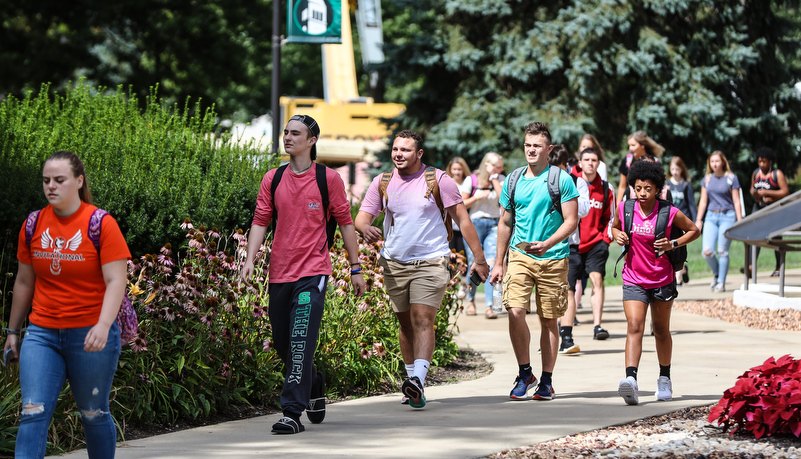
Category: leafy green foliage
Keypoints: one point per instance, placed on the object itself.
(696, 75)
(147, 168)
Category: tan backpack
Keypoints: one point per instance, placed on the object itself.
(433, 187)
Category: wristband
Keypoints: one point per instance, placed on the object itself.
(481, 263)
(10, 331)
(356, 271)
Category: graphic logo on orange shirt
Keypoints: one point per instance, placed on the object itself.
(58, 244)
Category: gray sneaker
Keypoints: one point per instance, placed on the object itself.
(629, 391)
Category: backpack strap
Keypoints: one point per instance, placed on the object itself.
(330, 222)
(382, 191)
(553, 189)
(95, 225)
(774, 178)
(473, 184)
(511, 181)
(662, 218)
(30, 226)
(433, 188)
(628, 222)
(605, 184)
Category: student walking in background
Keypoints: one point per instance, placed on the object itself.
(538, 231)
(300, 264)
(768, 185)
(681, 191)
(648, 279)
(639, 145)
(558, 158)
(589, 141)
(73, 289)
(720, 203)
(484, 213)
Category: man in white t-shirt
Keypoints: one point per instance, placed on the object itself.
(415, 254)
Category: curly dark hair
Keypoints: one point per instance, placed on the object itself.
(647, 170)
(418, 139)
(767, 153)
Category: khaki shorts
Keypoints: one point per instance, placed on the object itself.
(419, 282)
(548, 276)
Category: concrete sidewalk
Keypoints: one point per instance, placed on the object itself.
(477, 418)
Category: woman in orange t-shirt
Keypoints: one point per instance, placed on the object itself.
(73, 292)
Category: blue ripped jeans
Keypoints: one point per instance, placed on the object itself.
(487, 229)
(50, 356)
(715, 225)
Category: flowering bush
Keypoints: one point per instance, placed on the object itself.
(766, 400)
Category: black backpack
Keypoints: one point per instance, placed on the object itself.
(322, 184)
(678, 256)
(553, 187)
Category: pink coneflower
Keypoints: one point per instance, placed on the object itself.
(366, 354)
(267, 345)
(144, 378)
(169, 314)
(239, 235)
(187, 224)
(363, 306)
(139, 344)
(165, 260)
(226, 371)
(378, 349)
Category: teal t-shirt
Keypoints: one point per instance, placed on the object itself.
(535, 218)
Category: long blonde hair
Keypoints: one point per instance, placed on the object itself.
(491, 158)
(651, 147)
(725, 161)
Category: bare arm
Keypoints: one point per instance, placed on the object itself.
(115, 275)
(20, 305)
(702, 203)
(352, 246)
(364, 225)
(621, 189)
(570, 215)
(459, 214)
(505, 224)
(738, 209)
(255, 238)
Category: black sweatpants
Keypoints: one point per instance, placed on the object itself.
(296, 311)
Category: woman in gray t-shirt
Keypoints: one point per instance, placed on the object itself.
(720, 201)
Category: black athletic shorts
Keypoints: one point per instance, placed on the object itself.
(647, 295)
(582, 264)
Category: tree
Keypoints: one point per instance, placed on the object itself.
(218, 51)
(696, 75)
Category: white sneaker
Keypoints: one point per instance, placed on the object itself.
(664, 389)
(714, 283)
(720, 288)
(629, 391)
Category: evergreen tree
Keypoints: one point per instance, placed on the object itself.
(696, 75)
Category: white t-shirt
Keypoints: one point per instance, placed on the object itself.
(413, 225)
(483, 208)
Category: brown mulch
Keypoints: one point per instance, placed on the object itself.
(761, 319)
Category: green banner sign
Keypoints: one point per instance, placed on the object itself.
(314, 21)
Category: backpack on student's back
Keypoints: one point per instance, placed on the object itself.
(127, 321)
(433, 188)
(677, 256)
(322, 184)
(553, 187)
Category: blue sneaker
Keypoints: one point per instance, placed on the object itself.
(413, 389)
(520, 391)
(544, 392)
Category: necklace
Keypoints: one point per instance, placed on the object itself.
(304, 170)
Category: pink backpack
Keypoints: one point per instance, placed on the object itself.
(127, 321)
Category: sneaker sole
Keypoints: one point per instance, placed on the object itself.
(571, 350)
(663, 398)
(626, 390)
(416, 397)
(543, 397)
(601, 336)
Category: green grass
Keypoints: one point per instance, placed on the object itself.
(699, 268)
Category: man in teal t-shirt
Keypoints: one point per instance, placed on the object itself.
(538, 257)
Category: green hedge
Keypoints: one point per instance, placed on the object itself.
(147, 164)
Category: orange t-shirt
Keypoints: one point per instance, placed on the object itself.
(69, 286)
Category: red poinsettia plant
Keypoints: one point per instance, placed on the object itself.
(766, 400)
